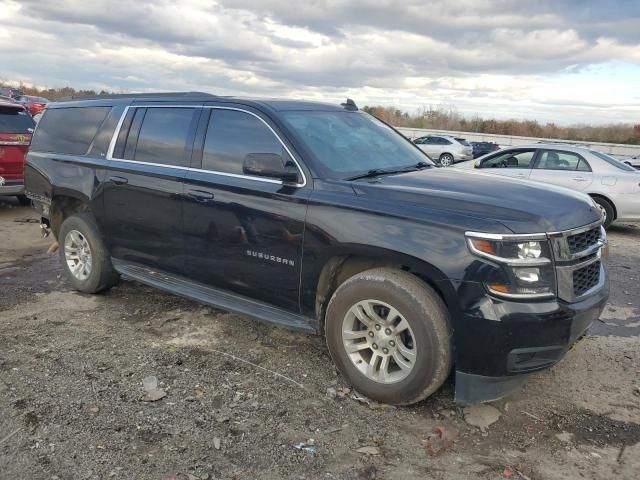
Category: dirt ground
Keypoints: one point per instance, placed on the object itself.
(241, 396)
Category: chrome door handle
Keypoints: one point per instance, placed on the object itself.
(119, 180)
(520, 175)
(579, 179)
(200, 195)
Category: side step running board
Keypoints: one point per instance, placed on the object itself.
(214, 297)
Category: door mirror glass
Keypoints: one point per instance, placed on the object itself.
(270, 165)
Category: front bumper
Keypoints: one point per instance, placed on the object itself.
(499, 342)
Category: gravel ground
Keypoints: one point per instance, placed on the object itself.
(241, 396)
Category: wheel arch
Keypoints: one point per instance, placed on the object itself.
(65, 203)
(604, 197)
(347, 262)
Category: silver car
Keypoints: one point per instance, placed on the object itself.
(634, 162)
(612, 184)
(445, 149)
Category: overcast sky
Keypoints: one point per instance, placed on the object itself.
(566, 61)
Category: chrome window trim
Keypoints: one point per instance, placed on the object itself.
(116, 133)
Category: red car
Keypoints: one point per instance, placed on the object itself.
(16, 128)
(35, 105)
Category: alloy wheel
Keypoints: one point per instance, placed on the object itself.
(77, 253)
(379, 341)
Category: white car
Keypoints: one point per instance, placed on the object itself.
(612, 184)
(634, 162)
(445, 149)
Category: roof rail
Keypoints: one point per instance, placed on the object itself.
(136, 95)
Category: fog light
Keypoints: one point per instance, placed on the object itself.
(529, 275)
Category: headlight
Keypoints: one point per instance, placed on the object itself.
(525, 266)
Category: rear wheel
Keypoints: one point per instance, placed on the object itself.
(607, 208)
(446, 159)
(390, 336)
(84, 256)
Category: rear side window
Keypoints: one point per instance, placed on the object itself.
(14, 120)
(558, 160)
(160, 135)
(231, 136)
(68, 130)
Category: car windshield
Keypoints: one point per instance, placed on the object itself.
(14, 120)
(612, 161)
(346, 144)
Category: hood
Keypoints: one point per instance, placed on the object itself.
(521, 206)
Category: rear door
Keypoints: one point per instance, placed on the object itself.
(16, 128)
(515, 163)
(558, 167)
(144, 185)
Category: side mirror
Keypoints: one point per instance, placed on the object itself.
(270, 165)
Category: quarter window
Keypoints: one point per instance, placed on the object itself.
(510, 159)
(558, 160)
(231, 136)
(68, 130)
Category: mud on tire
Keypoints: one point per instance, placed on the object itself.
(385, 312)
(79, 234)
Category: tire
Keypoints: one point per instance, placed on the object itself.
(428, 337)
(76, 233)
(24, 200)
(607, 207)
(446, 160)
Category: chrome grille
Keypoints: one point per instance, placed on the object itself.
(585, 278)
(582, 241)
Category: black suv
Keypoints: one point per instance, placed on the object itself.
(321, 218)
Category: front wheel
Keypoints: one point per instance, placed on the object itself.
(446, 160)
(84, 256)
(389, 334)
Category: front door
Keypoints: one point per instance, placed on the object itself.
(144, 185)
(511, 163)
(242, 233)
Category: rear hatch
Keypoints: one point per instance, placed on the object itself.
(16, 128)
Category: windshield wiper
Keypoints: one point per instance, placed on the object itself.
(376, 172)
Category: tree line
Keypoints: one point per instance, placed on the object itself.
(440, 118)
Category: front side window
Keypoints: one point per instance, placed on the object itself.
(163, 135)
(231, 136)
(345, 144)
(558, 160)
(510, 159)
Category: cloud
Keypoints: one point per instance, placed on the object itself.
(490, 57)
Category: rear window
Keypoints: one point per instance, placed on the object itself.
(13, 120)
(613, 161)
(68, 130)
(463, 141)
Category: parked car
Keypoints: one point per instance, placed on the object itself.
(634, 162)
(16, 128)
(612, 184)
(4, 99)
(10, 92)
(445, 149)
(323, 219)
(482, 148)
(35, 105)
